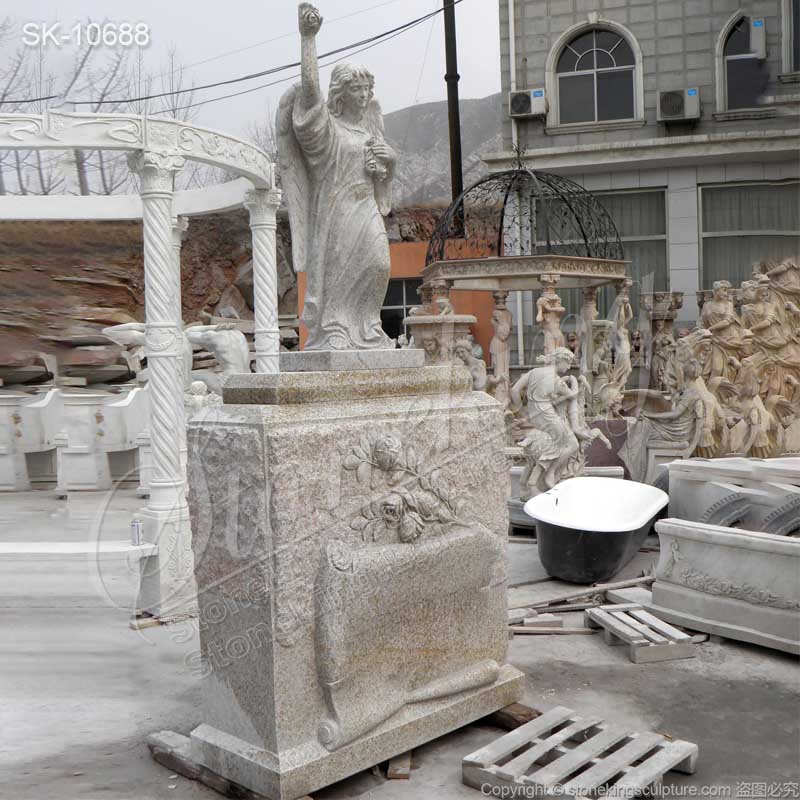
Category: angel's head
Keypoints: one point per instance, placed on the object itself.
(351, 90)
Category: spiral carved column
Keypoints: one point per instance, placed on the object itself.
(179, 227)
(167, 583)
(263, 206)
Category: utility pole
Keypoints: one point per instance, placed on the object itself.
(454, 117)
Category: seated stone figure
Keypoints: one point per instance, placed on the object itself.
(677, 429)
(558, 436)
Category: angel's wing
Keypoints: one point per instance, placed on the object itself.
(294, 177)
(383, 189)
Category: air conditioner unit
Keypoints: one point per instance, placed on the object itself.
(679, 106)
(758, 38)
(527, 103)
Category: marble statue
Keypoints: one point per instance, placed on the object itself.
(558, 436)
(549, 313)
(133, 335)
(463, 351)
(663, 347)
(719, 317)
(226, 343)
(499, 349)
(678, 425)
(774, 337)
(622, 314)
(477, 349)
(337, 172)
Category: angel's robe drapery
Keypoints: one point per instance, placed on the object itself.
(347, 249)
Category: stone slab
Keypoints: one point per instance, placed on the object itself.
(258, 770)
(291, 388)
(350, 360)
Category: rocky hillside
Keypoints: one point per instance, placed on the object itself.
(420, 135)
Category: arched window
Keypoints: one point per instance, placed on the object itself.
(745, 74)
(596, 73)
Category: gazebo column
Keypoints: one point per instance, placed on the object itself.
(179, 227)
(499, 347)
(263, 206)
(167, 585)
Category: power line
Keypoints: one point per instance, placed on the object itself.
(270, 41)
(29, 100)
(296, 75)
(386, 35)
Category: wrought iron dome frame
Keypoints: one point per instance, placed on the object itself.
(566, 219)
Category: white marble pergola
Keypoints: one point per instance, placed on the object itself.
(158, 149)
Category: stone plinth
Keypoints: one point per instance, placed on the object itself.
(349, 543)
(348, 360)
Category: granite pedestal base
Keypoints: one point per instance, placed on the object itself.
(349, 535)
(293, 775)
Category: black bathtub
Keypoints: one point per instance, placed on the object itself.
(588, 529)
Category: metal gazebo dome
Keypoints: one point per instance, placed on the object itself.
(523, 212)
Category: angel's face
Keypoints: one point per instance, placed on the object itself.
(357, 97)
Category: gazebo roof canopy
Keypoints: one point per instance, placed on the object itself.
(525, 213)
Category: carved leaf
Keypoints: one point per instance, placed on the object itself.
(364, 472)
(411, 459)
(365, 445)
(352, 461)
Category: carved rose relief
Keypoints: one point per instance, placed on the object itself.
(417, 502)
(680, 570)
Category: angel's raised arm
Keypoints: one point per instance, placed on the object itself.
(310, 21)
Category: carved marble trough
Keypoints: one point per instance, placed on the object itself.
(736, 583)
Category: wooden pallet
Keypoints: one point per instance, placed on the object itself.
(561, 754)
(648, 638)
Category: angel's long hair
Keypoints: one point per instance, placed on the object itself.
(341, 77)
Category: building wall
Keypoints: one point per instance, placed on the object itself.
(751, 151)
(678, 40)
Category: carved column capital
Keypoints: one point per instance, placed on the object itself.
(156, 170)
(263, 205)
(500, 299)
(549, 279)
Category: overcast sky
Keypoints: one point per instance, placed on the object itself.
(203, 30)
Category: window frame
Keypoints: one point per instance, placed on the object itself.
(722, 66)
(552, 80)
(788, 38)
(406, 306)
(703, 234)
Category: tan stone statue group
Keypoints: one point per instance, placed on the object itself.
(732, 385)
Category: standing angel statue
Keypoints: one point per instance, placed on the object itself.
(337, 173)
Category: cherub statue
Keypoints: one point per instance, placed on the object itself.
(337, 172)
